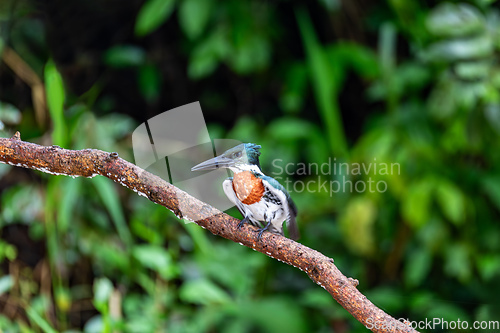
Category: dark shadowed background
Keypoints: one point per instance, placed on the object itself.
(400, 95)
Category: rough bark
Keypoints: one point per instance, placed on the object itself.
(92, 162)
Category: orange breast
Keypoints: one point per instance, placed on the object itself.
(248, 188)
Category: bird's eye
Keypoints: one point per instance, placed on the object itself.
(237, 154)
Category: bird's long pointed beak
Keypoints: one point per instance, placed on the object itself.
(214, 163)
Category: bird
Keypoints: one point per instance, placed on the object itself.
(259, 198)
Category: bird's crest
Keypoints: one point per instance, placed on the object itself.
(253, 153)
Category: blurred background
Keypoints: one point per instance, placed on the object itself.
(412, 83)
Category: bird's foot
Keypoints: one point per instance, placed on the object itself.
(242, 222)
(261, 231)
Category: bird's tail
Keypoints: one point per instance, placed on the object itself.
(292, 227)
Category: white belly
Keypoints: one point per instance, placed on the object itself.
(265, 212)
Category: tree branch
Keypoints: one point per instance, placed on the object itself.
(92, 162)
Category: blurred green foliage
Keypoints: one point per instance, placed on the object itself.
(88, 255)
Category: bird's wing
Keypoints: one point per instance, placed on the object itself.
(227, 186)
(291, 222)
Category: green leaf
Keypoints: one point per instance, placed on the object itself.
(120, 56)
(387, 53)
(216, 259)
(110, 128)
(357, 222)
(63, 298)
(202, 291)
(460, 49)
(71, 193)
(111, 257)
(198, 237)
(417, 267)
(21, 204)
(276, 314)
(457, 262)
(491, 186)
(94, 324)
(41, 303)
(193, 16)
(9, 114)
(4, 168)
(6, 282)
(453, 139)
(149, 82)
(416, 203)
(442, 103)
(55, 100)
(325, 75)
(473, 70)
(362, 59)
(207, 54)
(317, 299)
(142, 230)
(102, 291)
(155, 258)
(42, 323)
(251, 55)
(451, 200)
(152, 14)
(201, 66)
(488, 266)
(386, 298)
(492, 115)
(246, 129)
(446, 311)
(434, 234)
(110, 200)
(292, 98)
(289, 128)
(451, 20)
(8, 251)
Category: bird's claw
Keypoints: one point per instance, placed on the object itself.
(261, 230)
(242, 222)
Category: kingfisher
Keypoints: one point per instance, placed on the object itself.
(259, 198)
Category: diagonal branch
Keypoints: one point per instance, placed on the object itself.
(92, 162)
